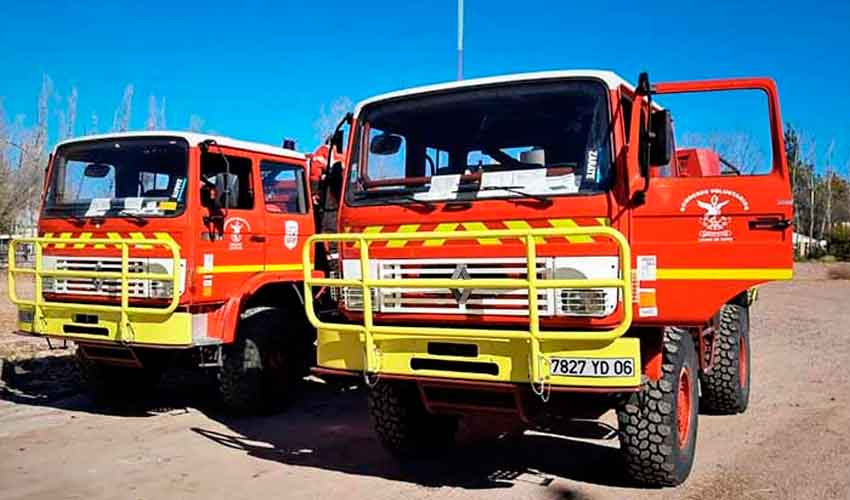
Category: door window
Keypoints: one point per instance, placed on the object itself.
(283, 187)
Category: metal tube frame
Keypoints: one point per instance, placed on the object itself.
(39, 305)
(371, 333)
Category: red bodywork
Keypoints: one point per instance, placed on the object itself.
(244, 259)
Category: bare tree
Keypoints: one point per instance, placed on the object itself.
(121, 119)
(153, 113)
(162, 124)
(329, 117)
(738, 148)
(196, 123)
(93, 124)
(826, 220)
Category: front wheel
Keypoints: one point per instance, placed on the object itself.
(261, 369)
(403, 425)
(658, 426)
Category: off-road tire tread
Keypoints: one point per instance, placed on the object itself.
(248, 392)
(722, 393)
(648, 431)
(110, 385)
(403, 425)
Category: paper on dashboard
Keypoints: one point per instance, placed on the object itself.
(98, 207)
(443, 187)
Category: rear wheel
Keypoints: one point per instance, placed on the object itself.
(403, 425)
(726, 385)
(658, 426)
(261, 369)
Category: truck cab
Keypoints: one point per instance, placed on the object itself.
(155, 247)
(535, 245)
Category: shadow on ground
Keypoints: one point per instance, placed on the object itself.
(329, 429)
(53, 380)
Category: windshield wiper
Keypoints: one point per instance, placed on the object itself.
(141, 221)
(75, 220)
(404, 195)
(511, 189)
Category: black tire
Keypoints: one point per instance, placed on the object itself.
(726, 385)
(657, 450)
(261, 369)
(119, 385)
(403, 425)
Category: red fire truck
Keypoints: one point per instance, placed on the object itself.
(161, 247)
(535, 245)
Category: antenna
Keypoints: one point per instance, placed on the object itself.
(460, 39)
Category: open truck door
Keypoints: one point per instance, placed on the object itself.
(719, 221)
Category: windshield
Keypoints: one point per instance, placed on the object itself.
(532, 140)
(119, 178)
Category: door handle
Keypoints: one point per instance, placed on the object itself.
(258, 238)
(770, 224)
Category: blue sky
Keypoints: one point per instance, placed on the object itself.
(261, 71)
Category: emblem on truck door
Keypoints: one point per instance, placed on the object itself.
(461, 295)
(713, 202)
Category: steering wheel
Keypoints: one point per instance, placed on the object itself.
(431, 164)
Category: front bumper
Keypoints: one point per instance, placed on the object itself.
(506, 360)
(178, 329)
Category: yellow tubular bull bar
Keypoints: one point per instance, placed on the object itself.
(39, 305)
(371, 332)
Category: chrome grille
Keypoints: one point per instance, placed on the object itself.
(94, 286)
(459, 300)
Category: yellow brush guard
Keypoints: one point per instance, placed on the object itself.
(156, 325)
(585, 343)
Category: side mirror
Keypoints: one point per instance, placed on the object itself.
(226, 190)
(661, 143)
(385, 144)
(97, 170)
(336, 142)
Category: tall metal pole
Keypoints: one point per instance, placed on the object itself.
(460, 39)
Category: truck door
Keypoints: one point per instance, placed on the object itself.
(231, 245)
(286, 210)
(717, 219)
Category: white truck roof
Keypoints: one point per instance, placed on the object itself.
(611, 79)
(193, 138)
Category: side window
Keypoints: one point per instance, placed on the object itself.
(213, 163)
(721, 133)
(283, 187)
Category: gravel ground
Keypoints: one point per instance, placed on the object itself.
(794, 441)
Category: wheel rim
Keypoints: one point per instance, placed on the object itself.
(683, 407)
(742, 362)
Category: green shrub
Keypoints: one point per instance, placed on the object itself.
(839, 243)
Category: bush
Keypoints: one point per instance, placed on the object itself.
(839, 243)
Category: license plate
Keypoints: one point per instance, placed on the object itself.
(592, 367)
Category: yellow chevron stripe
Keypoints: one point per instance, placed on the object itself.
(369, 230)
(479, 226)
(404, 228)
(570, 224)
(445, 227)
(521, 224)
(64, 236)
(165, 237)
(141, 237)
(725, 274)
(84, 236)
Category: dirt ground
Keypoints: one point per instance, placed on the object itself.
(794, 442)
